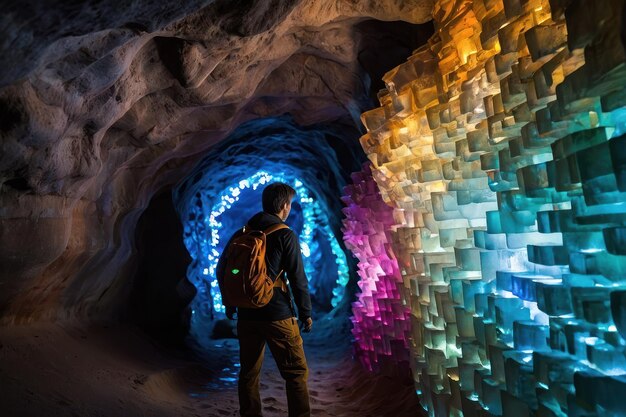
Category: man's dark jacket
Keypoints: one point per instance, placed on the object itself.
(282, 253)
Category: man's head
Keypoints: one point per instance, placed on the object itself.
(277, 199)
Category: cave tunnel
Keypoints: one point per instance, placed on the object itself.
(225, 189)
(460, 177)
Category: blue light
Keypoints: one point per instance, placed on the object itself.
(306, 252)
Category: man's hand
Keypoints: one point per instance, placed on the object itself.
(306, 325)
(230, 312)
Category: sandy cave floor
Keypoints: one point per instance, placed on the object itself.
(67, 370)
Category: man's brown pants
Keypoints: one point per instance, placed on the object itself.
(283, 338)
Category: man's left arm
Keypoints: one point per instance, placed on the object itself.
(294, 266)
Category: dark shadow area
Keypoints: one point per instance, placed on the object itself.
(161, 293)
(385, 45)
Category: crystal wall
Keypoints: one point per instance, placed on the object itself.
(381, 318)
(501, 147)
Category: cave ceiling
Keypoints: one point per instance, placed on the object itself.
(91, 89)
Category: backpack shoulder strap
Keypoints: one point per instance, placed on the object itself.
(275, 227)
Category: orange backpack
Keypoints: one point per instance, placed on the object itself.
(244, 281)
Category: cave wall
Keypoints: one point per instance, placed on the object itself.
(103, 105)
(500, 146)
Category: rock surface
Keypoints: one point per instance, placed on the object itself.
(102, 106)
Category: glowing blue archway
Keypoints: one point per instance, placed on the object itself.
(206, 235)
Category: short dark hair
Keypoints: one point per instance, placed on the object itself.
(276, 195)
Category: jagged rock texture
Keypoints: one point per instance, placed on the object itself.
(381, 317)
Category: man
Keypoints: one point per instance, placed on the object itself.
(275, 323)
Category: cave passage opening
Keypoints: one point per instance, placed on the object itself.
(224, 190)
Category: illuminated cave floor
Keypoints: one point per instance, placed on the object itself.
(53, 370)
